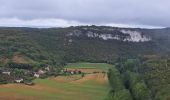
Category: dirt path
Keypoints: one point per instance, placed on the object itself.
(99, 77)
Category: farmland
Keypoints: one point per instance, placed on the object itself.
(92, 86)
(97, 66)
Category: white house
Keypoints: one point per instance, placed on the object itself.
(36, 75)
(72, 72)
(6, 73)
(19, 80)
(41, 72)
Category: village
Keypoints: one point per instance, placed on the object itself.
(26, 76)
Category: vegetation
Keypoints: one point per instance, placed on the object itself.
(137, 86)
(118, 92)
(157, 72)
(74, 87)
(141, 72)
(129, 80)
(102, 66)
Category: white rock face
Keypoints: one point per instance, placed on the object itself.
(93, 35)
(130, 36)
(135, 36)
(107, 37)
(102, 36)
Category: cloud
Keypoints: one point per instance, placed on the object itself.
(52, 22)
(68, 12)
(45, 23)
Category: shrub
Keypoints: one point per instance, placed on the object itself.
(122, 95)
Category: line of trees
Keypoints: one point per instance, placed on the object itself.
(137, 86)
(118, 92)
(127, 83)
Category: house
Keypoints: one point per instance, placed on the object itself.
(69, 72)
(6, 73)
(19, 80)
(72, 72)
(41, 72)
(36, 75)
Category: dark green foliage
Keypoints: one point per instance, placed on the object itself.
(135, 83)
(83, 74)
(163, 93)
(157, 73)
(18, 72)
(132, 78)
(121, 95)
(118, 89)
(3, 80)
(115, 79)
(132, 65)
(20, 66)
(140, 91)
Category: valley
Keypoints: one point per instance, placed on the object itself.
(92, 86)
(39, 63)
(84, 50)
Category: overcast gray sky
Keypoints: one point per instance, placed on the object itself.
(61, 13)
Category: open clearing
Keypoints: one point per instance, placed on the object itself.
(74, 87)
(100, 66)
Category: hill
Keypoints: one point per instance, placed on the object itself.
(82, 43)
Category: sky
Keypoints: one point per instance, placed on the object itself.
(64, 13)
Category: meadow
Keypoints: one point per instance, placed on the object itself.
(101, 66)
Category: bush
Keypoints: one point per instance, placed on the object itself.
(140, 91)
(82, 75)
(122, 95)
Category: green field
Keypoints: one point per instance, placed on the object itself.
(102, 66)
(90, 87)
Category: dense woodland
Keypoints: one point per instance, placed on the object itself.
(141, 72)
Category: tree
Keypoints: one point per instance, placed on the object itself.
(123, 94)
(140, 91)
(18, 72)
(115, 79)
(132, 78)
(136, 84)
(131, 65)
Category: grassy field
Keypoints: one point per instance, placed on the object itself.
(74, 87)
(101, 66)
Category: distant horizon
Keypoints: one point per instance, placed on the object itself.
(41, 26)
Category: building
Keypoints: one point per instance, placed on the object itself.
(6, 72)
(36, 75)
(19, 80)
(40, 72)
